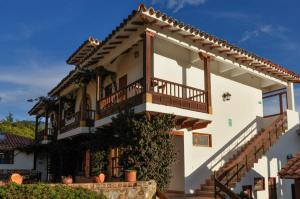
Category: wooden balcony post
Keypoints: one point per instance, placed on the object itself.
(36, 126)
(59, 118)
(83, 106)
(46, 121)
(87, 162)
(148, 62)
(207, 79)
(98, 93)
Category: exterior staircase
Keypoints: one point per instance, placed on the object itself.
(219, 185)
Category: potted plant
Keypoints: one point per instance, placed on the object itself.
(130, 175)
(67, 179)
(16, 178)
(99, 178)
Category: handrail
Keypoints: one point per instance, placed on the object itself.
(225, 189)
(131, 90)
(241, 162)
(243, 137)
(177, 90)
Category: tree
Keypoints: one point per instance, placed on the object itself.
(146, 145)
(9, 118)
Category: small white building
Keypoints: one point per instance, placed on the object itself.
(235, 111)
(12, 157)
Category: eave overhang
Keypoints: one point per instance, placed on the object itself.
(83, 51)
(216, 45)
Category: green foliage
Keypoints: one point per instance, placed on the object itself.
(22, 128)
(98, 162)
(43, 191)
(146, 146)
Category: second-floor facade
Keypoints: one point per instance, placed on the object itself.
(152, 63)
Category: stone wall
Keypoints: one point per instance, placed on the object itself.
(122, 190)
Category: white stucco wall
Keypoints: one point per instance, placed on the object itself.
(274, 160)
(173, 63)
(21, 161)
(127, 64)
(177, 180)
(41, 165)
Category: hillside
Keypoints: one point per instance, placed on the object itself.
(23, 128)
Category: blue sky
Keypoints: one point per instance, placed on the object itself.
(36, 37)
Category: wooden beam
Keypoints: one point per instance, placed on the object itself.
(122, 37)
(189, 124)
(180, 121)
(207, 80)
(224, 51)
(148, 58)
(177, 30)
(115, 42)
(201, 125)
(109, 47)
(138, 23)
(130, 29)
(176, 133)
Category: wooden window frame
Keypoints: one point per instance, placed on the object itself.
(202, 134)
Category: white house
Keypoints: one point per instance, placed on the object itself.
(221, 96)
(12, 157)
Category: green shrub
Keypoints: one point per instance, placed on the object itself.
(43, 191)
(145, 144)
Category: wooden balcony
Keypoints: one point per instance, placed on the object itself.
(45, 135)
(73, 121)
(163, 92)
(178, 95)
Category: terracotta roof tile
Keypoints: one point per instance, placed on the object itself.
(292, 169)
(10, 142)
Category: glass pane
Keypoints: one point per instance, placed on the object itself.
(271, 106)
(204, 141)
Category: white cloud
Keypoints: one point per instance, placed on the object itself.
(27, 80)
(176, 5)
(271, 30)
(35, 74)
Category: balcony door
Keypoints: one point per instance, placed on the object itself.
(122, 86)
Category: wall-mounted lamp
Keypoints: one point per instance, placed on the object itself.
(226, 96)
(289, 156)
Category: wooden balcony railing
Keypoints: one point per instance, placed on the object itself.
(163, 92)
(129, 94)
(45, 134)
(227, 177)
(73, 121)
(178, 95)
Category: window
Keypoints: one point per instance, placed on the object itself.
(201, 139)
(6, 157)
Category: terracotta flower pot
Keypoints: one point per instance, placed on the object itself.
(66, 179)
(100, 178)
(130, 175)
(16, 178)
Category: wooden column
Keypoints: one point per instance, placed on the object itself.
(36, 126)
(98, 93)
(148, 62)
(59, 118)
(297, 188)
(87, 163)
(46, 122)
(207, 79)
(83, 106)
